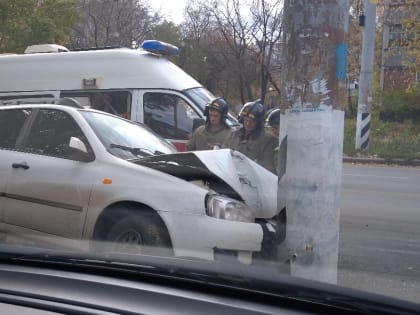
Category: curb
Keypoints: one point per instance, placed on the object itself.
(361, 160)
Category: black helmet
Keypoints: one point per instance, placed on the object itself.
(273, 117)
(253, 110)
(218, 104)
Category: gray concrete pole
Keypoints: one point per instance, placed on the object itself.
(312, 126)
(364, 106)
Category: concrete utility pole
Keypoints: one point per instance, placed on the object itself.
(312, 123)
(364, 105)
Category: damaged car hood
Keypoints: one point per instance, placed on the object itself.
(225, 171)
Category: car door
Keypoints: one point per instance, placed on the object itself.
(49, 187)
(11, 125)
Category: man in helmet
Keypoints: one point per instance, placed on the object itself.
(273, 121)
(214, 132)
(251, 139)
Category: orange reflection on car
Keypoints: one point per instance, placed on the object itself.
(107, 181)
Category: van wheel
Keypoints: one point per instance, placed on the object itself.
(140, 233)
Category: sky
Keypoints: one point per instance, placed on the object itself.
(173, 10)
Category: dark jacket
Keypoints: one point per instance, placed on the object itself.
(259, 146)
(205, 139)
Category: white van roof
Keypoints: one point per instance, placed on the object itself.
(45, 48)
(110, 69)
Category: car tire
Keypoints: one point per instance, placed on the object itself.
(140, 233)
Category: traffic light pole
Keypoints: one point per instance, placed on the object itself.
(312, 126)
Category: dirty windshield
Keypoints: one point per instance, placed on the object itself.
(266, 145)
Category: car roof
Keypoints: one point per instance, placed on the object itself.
(69, 108)
(50, 106)
(37, 105)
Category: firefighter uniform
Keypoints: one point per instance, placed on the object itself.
(259, 146)
(205, 139)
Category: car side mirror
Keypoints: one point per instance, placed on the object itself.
(78, 151)
(77, 144)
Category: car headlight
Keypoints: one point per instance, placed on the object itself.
(228, 209)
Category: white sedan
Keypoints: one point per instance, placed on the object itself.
(69, 174)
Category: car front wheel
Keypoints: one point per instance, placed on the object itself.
(142, 233)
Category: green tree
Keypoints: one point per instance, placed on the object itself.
(402, 53)
(28, 22)
(167, 32)
(411, 26)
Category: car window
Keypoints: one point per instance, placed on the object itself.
(11, 123)
(50, 134)
(169, 115)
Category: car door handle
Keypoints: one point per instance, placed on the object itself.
(20, 165)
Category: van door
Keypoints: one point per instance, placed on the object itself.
(170, 115)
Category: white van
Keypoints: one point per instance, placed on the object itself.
(139, 84)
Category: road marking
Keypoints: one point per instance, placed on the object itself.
(377, 176)
(386, 192)
(389, 250)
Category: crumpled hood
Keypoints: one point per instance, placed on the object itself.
(231, 173)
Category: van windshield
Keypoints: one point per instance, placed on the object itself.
(201, 97)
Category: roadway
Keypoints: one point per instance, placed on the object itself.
(380, 230)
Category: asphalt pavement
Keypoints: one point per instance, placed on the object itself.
(380, 230)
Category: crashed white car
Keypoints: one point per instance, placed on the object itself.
(78, 174)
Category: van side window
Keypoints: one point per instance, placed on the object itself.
(51, 133)
(11, 123)
(168, 115)
(113, 102)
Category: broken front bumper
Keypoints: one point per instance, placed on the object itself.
(205, 237)
(274, 233)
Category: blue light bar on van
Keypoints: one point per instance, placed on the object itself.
(160, 48)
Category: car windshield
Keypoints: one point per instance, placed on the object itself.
(126, 139)
(262, 145)
(201, 97)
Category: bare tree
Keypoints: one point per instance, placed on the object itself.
(195, 53)
(237, 32)
(267, 20)
(231, 47)
(197, 20)
(238, 40)
(204, 49)
(111, 23)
